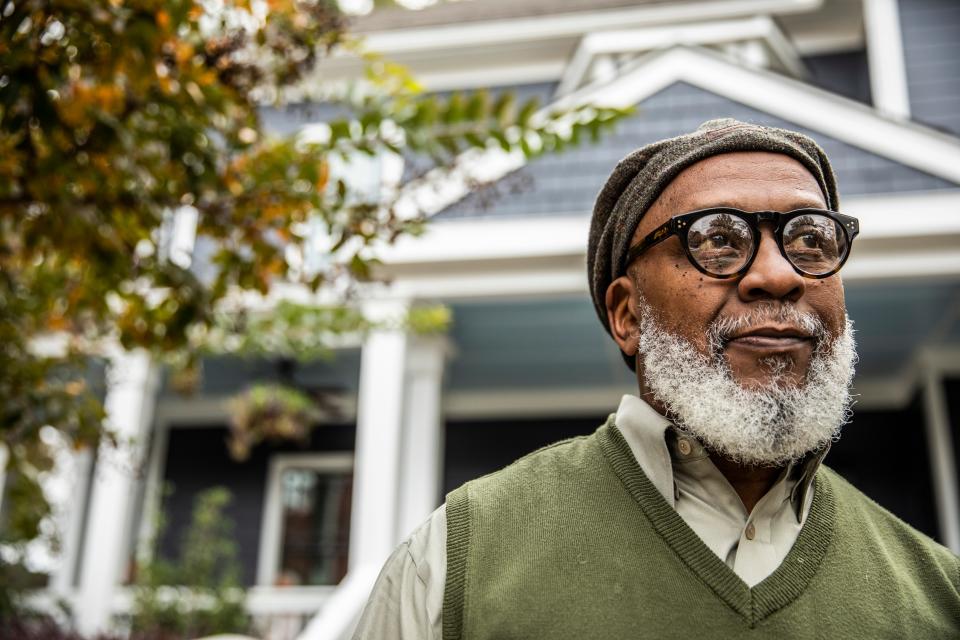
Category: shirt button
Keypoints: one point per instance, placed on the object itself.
(683, 445)
(750, 531)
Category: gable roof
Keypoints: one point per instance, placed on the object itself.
(821, 112)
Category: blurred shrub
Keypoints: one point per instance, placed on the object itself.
(199, 593)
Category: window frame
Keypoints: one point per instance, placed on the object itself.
(268, 556)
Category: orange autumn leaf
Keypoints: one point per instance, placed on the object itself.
(323, 175)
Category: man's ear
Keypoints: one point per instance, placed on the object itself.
(621, 313)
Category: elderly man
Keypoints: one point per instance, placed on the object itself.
(701, 508)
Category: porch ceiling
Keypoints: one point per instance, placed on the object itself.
(558, 343)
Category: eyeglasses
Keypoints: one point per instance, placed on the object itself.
(722, 242)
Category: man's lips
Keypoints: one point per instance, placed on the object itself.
(771, 338)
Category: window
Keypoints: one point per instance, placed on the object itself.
(304, 539)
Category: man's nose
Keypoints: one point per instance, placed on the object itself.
(771, 276)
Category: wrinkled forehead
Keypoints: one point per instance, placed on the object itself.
(747, 180)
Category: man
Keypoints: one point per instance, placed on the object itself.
(700, 509)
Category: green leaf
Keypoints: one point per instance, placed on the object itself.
(503, 108)
(527, 111)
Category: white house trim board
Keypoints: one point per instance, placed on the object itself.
(846, 120)
(268, 558)
(438, 188)
(758, 28)
(132, 382)
(544, 243)
(340, 613)
(494, 32)
(4, 458)
(888, 74)
(943, 466)
(379, 431)
(421, 454)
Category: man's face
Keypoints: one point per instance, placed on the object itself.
(687, 302)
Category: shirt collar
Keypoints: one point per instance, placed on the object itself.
(657, 444)
(644, 430)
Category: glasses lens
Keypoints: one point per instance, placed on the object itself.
(815, 244)
(720, 243)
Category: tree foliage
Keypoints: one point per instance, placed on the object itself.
(116, 114)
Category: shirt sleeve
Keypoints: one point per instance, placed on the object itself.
(407, 599)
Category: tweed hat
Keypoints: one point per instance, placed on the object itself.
(641, 177)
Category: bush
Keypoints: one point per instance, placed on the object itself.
(200, 593)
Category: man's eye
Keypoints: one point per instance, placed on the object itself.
(719, 240)
(807, 239)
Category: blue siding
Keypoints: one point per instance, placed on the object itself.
(846, 74)
(289, 119)
(931, 37)
(568, 183)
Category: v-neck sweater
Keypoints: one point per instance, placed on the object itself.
(574, 541)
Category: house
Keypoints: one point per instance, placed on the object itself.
(876, 82)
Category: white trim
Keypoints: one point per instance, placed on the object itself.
(439, 187)
(943, 465)
(513, 403)
(65, 576)
(478, 258)
(836, 39)
(841, 118)
(270, 526)
(888, 74)
(153, 489)
(174, 412)
(4, 458)
(340, 614)
(757, 28)
(558, 25)
(846, 120)
(380, 399)
(490, 75)
(132, 381)
(892, 393)
(421, 443)
(303, 600)
(945, 361)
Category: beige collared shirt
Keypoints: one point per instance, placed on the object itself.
(407, 599)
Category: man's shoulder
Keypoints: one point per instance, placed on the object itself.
(874, 520)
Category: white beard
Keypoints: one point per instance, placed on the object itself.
(769, 426)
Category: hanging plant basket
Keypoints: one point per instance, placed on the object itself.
(269, 413)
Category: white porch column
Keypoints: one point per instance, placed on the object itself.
(943, 467)
(421, 461)
(76, 474)
(888, 75)
(131, 396)
(4, 458)
(373, 522)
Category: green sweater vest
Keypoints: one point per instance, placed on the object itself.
(573, 541)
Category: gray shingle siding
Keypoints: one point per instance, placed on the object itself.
(931, 48)
(846, 74)
(568, 183)
(289, 119)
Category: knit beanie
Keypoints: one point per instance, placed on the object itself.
(638, 180)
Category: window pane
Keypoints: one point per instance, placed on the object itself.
(316, 526)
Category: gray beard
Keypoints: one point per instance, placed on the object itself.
(772, 425)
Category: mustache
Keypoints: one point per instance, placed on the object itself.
(725, 327)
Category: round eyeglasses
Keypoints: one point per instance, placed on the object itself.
(722, 242)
